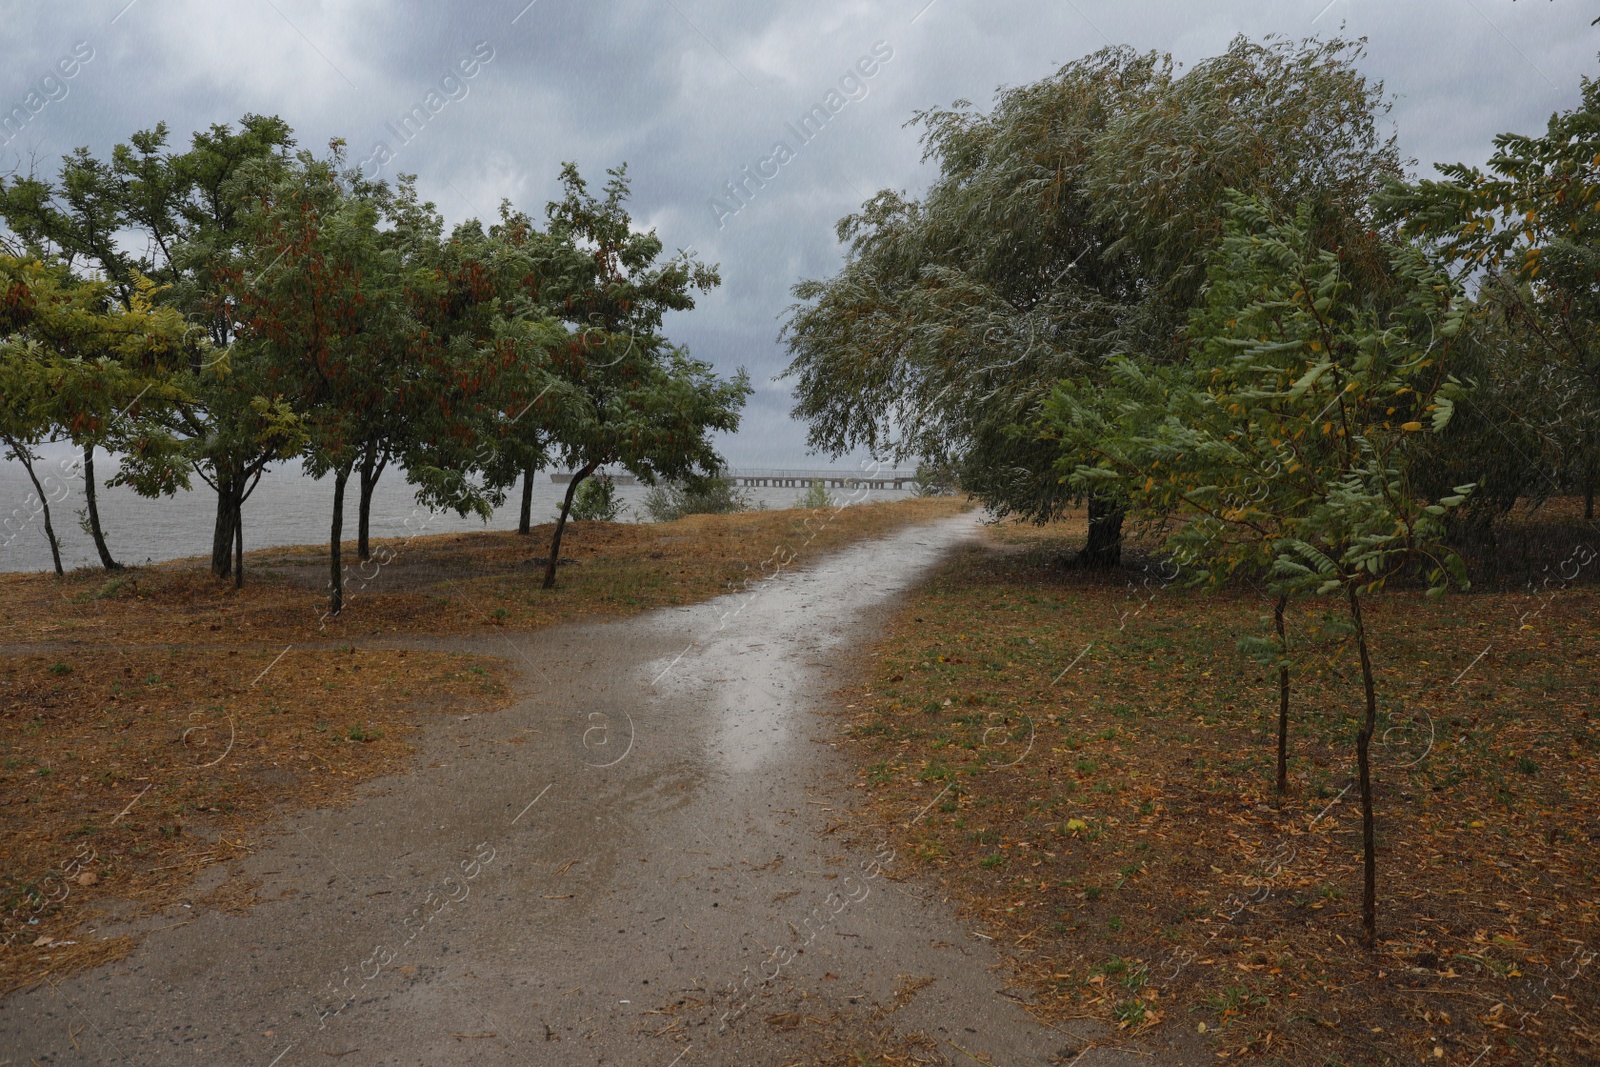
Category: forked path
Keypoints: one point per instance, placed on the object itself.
(649, 859)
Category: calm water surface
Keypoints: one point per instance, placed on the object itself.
(287, 508)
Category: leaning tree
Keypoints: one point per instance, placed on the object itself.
(1068, 225)
(629, 396)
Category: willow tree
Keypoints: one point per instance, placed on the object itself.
(1068, 225)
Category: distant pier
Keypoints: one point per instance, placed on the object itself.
(779, 479)
(752, 477)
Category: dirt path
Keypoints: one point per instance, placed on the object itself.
(605, 873)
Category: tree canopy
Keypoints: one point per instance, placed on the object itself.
(1068, 225)
(278, 305)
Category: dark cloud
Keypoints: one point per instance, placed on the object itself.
(689, 92)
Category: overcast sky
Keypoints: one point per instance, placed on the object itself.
(688, 92)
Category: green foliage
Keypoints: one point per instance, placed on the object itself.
(184, 211)
(628, 396)
(696, 496)
(1283, 446)
(938, 477)
(1527, 229)
(815, 497)
(106, 367)
(1069, 224)
(284, 305)
(596, 500)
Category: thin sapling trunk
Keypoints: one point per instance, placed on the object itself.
(1588, 491)
(44, 505)
(1283, 696)
(1369, 888)
(335, 568)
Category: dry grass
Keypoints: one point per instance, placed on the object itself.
(1114, 827)
(441, 584)
(152, 722)
(127, 771)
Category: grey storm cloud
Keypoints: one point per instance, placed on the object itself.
(696, 95)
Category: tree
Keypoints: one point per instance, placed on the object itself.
(331, 324)
(83, 368)
(111, 381)
(500, 288)
(185, 208)
(651, 416)
(628, 396)
(1527, 228)
(25, 421)
(1069, 225)
(392, 345)
(1160, 432)
(1298, 423)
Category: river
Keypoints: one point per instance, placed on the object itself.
(287, 508)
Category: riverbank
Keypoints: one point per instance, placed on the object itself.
(287, 508)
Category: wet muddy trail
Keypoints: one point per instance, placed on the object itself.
(648, 859)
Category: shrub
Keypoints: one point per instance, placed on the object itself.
(937, 477)
(817, 497)
(596, 500)
(693, 496)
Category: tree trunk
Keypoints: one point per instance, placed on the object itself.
(240, 495)
(222, 532)
(1369, 888)
(336, 570)
(44, 504)
(561, 522)
(1588, 491)
(1283, 698)
(238, 545)
(527, 500)
(371, 470)
(1104, 547)
(94, 512)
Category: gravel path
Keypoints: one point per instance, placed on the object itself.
(649, 859)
